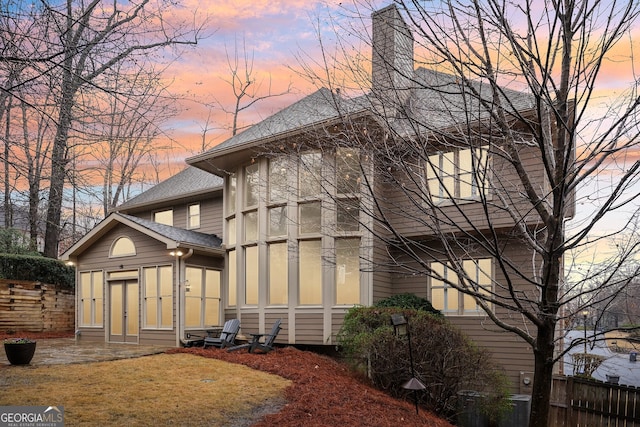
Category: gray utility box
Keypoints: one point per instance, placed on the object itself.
(470, 411)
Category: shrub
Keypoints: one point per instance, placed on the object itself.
(445, 360)
(408, 300)
(36, 269)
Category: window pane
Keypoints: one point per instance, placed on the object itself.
(193, 300)
(310, 272)
(309, 217)
(231, 232)
(194, 216)
(347, 170)
(465, 174)
(310, 174)
(348, 271)
(166, 295)
(278, 283)
(437, 298)
(232, 277)
(277, 221)
(230, 195)
(97, 293)
(150, 296)
(212, 297)
(251, 275)
(347, 215)
(123, 246)
(251, 226)
(448, 174)
(86, 298)
(164, 217)
(251, 185)
(277, 180)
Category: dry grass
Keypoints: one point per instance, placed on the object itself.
(166, 389)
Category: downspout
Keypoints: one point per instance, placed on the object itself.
(181, 297)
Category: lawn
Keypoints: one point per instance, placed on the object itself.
(197, 387)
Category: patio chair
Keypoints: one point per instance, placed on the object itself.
(256, 343)
(227, 336)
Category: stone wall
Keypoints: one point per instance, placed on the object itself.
(35, 307)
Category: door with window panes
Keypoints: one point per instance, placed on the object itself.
(124, 311)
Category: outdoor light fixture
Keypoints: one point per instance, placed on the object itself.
(176, 253)
(585, 313)
(401, 328)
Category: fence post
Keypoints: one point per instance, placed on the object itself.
(569, 414)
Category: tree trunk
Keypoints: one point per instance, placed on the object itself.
(543, 375)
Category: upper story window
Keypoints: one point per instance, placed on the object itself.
(251, 185)
(478, 276)
(193, 212)
(348, 176)
(278, 180)
(230, 194)
(310, 174)
(458, 175)
(122, 246)
(164, 217)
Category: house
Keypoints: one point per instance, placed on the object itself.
(291, 210)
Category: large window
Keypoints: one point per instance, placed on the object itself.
(348, 176)
(251, 275)
(446, 298)
(278, 172)
(158, 297)
(310, 174)
(278, 274)
(310, 217)
(164, 217)
(310, 273)
(230, 195)
(91, 298)
(348, 271)
(232, 279)
(193, 220)
(202, 297)
(460, 175)
(251, 185)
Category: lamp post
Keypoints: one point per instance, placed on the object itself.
(585, 313)
(400, 328)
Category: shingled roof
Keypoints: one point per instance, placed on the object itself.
(179, 235)
(189, 182)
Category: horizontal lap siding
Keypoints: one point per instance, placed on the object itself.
(510, 352)
(270, 318)
(309, 328)
(410, 220)
(249, 324)
(165, 338)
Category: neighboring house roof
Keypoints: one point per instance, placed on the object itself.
(187, 183)
(173, 237)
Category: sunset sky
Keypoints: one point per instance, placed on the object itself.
(278, 33)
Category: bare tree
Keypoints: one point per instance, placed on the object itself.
(490, 163)
(248, 89)
(83, 41)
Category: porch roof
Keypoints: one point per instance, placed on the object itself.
(173, 237)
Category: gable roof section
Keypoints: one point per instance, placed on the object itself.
(188, 182)
(173, 237)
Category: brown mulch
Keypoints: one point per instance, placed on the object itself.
(325, 392)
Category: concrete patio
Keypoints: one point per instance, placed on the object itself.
(60, 351)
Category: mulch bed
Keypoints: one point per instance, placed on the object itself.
(325, 392)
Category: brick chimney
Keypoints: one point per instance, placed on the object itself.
(392, 60)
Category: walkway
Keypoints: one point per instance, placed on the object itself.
(60, 351)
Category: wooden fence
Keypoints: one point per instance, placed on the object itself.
(35, 307)
(581, 402)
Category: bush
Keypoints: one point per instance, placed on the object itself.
(408, 300)
(445, 360)
(36, 269)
